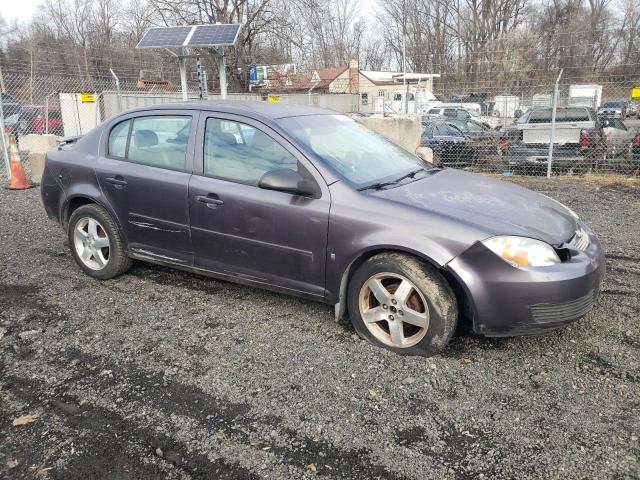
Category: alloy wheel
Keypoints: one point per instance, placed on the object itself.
(91, 243)
(394, 310)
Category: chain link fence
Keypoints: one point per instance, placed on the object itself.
(533, 130)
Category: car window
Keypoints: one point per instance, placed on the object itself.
(240, 153)
(357, 153)
(572, 115)
(469, 126)
(540, 116)
(118, 139)
(160, 141)
(450, 112)
(449, 130)
(434, 111)
(462, 114)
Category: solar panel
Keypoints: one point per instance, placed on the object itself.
(210, 35)
(159, 37)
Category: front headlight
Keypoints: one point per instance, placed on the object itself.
(522, 251)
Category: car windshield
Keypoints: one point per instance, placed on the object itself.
(613, 104)
(467, 126)
(360, 155)
(473, 113)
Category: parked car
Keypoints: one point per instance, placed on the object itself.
(11, 123)
(616, 109)
(450, 147)
(10, 105)
(577, 140)
(619, 145)
(33, 119)
(462, 114)
(319, 206)
(632, 109)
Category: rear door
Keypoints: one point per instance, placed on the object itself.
(238, 229)
(144, 170)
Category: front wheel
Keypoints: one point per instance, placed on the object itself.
(403, 304)
(96, 244)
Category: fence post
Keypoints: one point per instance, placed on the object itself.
(117, 89)
(5, 153)
(554, 104)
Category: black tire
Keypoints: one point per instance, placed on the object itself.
(441, 301)
(118, 262)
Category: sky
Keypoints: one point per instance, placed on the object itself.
(22, 9)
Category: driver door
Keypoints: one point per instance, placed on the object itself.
(238, 229)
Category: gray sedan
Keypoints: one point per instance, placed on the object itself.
(308, 202)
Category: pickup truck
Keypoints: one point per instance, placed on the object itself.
(577, 140)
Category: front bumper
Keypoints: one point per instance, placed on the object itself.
(506, 300)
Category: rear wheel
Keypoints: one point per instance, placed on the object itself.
(402, 304)
(96, 244)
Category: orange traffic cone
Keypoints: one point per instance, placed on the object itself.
(18, 178)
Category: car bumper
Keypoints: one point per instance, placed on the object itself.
(506, 300)
(537, 158)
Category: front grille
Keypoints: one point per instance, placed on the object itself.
(565, 311)
(580, 240)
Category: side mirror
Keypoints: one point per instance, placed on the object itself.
(286, 180)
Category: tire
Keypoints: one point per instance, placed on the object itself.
(428, 296)
(103, 262)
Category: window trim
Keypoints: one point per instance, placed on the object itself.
(320, 185)
(189, 158)
(126, 143)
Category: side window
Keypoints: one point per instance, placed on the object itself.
(364, 98)
(160, 141)
(118, 139)
(240, 153)
(450, 112)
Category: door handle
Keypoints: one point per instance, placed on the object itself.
(211, 200)
(116, 181)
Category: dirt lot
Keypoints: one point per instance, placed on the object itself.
(163, 374)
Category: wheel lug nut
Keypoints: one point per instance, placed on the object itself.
(394, 301)
(391, 317)
(384, 306)
(400, 312)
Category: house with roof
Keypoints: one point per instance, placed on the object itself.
(369, 84)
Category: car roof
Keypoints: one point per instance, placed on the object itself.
(253, 108)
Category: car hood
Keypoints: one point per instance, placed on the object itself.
(493, 206)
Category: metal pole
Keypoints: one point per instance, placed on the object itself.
(183, 76)
(404, 72)
(46, 118)
(199, 73)
(3, 137)
(117, 89)
(222, 69)
(205, 85)
(553, 124)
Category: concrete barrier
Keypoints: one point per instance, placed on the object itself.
(37, 146)
(403, 130)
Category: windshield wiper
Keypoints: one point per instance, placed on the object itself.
(381, 185)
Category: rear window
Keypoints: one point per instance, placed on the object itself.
(434, 111)
(562, 115)
(573, 115)
(540, 116)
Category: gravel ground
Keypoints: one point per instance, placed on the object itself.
(164, 374)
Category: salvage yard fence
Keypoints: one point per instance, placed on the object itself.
(587, 137)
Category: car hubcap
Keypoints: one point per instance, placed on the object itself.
(394, 310)
(91, 243)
